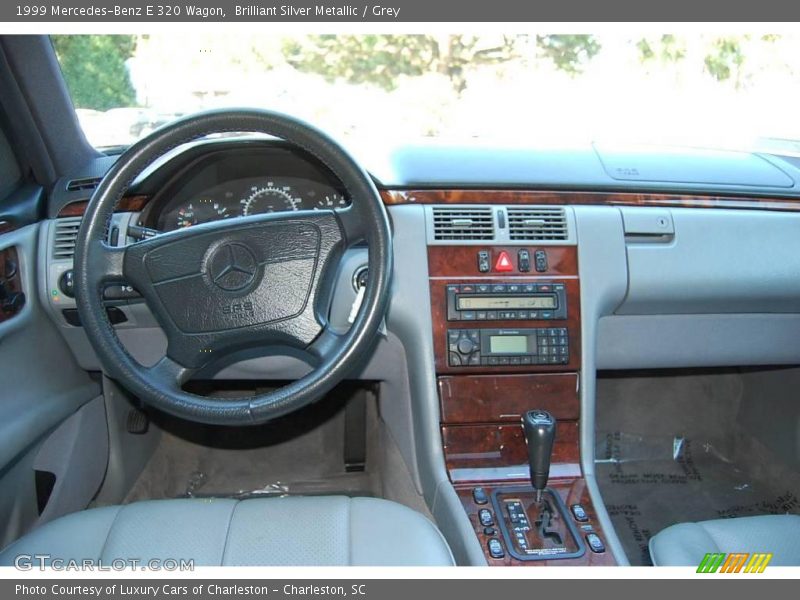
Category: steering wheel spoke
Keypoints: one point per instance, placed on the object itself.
(170, 373)
(324, 347)
(352, 225)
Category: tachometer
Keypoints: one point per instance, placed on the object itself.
(201, 210)
(268, 199)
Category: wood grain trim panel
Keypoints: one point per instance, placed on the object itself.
(462, 261)
(504, 398)
(572, 491)
(463, 196)
(127, 204)
(503, 445)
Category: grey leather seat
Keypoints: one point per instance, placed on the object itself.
(688, 543)
(331, 530)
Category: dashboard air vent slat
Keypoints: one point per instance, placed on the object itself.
(535, 223)
(463, 223)
(64, 239)
(83, 184)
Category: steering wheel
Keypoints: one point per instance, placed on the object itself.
(225, 286)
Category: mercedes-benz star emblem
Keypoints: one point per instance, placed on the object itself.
(232, 267)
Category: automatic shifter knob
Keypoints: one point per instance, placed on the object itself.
(540, 431)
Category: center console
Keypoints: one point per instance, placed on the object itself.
(507, 339)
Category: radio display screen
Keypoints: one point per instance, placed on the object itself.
(506, 302)
(508, 344)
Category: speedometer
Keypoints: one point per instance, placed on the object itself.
(268, 199)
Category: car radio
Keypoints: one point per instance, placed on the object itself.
(506, 301)
(511, 347)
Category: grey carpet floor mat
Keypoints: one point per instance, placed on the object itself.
(299, 454)
(669, 450)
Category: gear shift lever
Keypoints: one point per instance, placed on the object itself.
(540, 431)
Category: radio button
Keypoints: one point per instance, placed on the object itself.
(514, 288)
(523, 314)
(526, 360)
(475, 360)
(498, 288)
(465, 346)
(455, 360)
(491, 315)
(453, 288)
(546, 314)
(453, 335)
(515, 360)
(494, 360)
(543, 287)
(467, 288)
(468, 315)
(484, 288)
(533, 315)
(480, 315)
(529, 288)
(474, 335)
(503, 360)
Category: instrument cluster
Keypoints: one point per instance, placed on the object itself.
(250, 196)
(226, 181)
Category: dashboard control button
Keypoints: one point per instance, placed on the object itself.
(499, 288)
(483, 261)
(540, 260)
(596, 545)
(66, 283)
(495, 548)
(579, 513)
(455, 360)
(485, 517)
(465, 346)
(524, 261)
(479, 495)
(503, 263)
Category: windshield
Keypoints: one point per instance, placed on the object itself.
(736, 91)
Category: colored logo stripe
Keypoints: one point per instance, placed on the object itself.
(734, 562)
(758, 562)
(711, 562)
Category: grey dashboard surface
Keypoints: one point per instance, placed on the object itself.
(590, 168)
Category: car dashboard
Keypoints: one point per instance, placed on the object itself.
(517, 275)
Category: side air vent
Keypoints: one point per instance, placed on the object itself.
(83, 184)
(463, 224)
(64, 239)
(539, 224)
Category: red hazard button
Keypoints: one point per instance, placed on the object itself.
(503, 262)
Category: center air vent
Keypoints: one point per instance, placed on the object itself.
(66, 233)
(537, 224)
(463, 224)
(83, 184)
